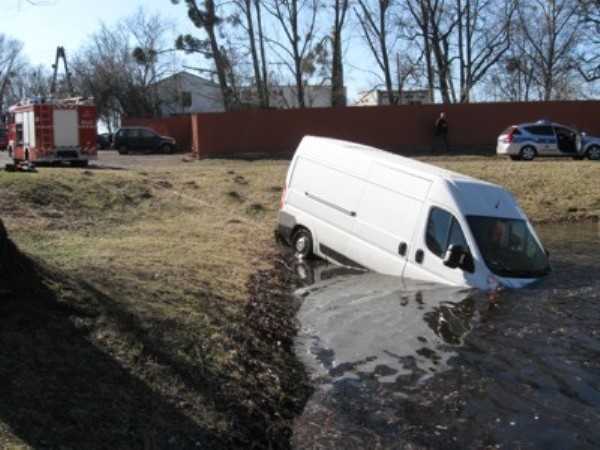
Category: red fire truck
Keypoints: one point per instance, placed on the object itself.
(53, 131)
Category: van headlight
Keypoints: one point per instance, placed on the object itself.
(494, 284)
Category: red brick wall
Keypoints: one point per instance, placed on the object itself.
(396, 128)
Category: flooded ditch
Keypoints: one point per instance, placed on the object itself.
(401, 364)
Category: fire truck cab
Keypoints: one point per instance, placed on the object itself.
(53, 131)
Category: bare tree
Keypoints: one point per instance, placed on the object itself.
(32, 82)
(518, 82)
(18, 3)
(338, 91)
(415, 26)
(251, 11)
(121, 64)
(376, 24)
(436, 23)
(10, 62)
(208, 20)
(263, 56)
(588, 64)
(551, 35)
(297, 22)
(483, 38)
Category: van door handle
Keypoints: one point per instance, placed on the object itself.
(402, 248)
(419, 254)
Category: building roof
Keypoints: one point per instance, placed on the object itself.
(186, 75)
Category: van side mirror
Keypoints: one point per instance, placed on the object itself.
(458, 256)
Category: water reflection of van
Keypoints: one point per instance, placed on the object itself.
(369, 325)
(360, 206)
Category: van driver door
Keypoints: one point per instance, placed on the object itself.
(441, 229)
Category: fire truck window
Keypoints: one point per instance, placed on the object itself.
(19, 134)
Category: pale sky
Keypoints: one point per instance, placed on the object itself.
(48, 24)
(69, 23)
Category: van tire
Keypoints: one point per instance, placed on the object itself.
(302, 242)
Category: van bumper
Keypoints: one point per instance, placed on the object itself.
(285, 226)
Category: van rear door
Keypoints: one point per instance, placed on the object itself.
(324, 199)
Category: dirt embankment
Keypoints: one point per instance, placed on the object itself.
(60, 388)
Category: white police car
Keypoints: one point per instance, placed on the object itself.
(544, 138)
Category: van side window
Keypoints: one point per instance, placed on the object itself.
(442, 230)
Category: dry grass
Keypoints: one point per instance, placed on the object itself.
(146, 283)
(157, 264)
(547, 189)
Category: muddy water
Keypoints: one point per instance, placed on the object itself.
(400, 364)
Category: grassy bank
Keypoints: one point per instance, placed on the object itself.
(154, 313)
(549, 190)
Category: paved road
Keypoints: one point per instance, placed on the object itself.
(110, 159)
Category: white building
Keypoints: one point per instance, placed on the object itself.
(380, 97)
(286, 96)
(185, 93)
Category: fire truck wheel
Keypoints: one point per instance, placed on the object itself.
(123, 150)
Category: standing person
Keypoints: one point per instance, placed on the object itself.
(441, 132)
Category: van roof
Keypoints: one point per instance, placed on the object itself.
(354, 158)
(476, 196)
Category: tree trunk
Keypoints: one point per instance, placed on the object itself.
(338, 93)
(263, 57)
(260, 87)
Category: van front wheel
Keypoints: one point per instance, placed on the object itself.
(303, 243)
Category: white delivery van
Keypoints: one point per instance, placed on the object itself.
(359, 206)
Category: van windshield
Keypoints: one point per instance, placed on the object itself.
(509, 247)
